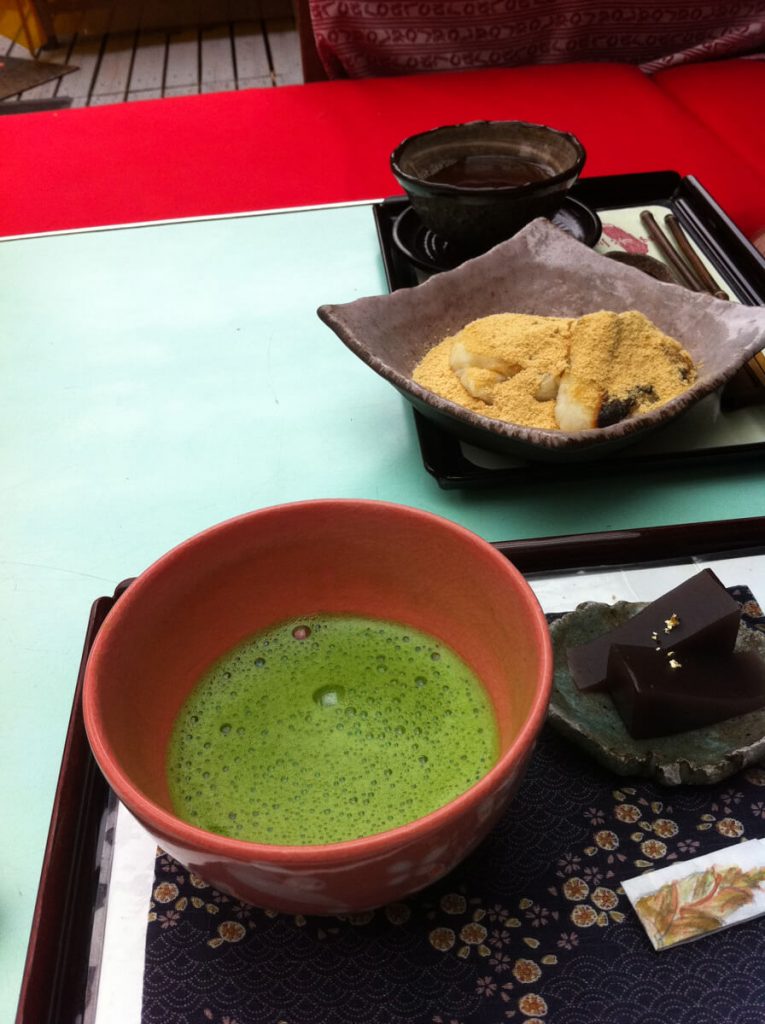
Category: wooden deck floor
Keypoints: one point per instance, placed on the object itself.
(144, 64)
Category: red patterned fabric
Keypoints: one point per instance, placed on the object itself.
(358, 38)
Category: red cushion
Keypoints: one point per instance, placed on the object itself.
(330, 142)
(729, 98)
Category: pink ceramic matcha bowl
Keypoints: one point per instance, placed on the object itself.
(361, 557)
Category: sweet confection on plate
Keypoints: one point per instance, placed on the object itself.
(699, 613)
(658, 695)
(558, 373)
(673, 667)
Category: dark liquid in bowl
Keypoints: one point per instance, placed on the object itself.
(491, 170)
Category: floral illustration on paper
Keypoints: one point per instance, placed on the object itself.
(698, 903)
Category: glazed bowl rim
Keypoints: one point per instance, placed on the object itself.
(159, 820)
(445, 189)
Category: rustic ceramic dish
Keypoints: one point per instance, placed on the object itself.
(242, 576)
(478, 216)
(543, 271)
(592, 721)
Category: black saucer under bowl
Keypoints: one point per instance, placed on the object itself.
(431, 252)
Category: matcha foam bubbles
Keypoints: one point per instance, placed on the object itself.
(327, 729)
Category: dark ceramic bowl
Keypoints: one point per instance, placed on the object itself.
(482, 212)
(545, 272)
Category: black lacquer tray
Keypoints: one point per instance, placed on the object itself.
(61, 973)
(455, 465)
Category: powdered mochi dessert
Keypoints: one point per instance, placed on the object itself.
(558, 373)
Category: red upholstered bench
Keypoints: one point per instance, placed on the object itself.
(727, 97)
(330, 141)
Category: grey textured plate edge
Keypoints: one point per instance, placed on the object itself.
(697, 757)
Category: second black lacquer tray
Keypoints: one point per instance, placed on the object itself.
(733, 435)
(60, 984)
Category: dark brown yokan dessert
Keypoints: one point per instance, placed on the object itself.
(699, 614)
(658, 695)
(673, 667)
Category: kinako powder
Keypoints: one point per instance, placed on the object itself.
(558, 373)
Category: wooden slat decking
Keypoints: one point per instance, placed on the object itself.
(149, 63)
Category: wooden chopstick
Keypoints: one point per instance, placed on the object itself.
(693, 274)
(756, 364)
(682, 273)
(692, 257)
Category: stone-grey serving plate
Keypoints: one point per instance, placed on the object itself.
(543, 271)
(699, 756)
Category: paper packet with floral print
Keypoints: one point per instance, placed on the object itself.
(695, 897)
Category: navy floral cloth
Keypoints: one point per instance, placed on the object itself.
(533, 928)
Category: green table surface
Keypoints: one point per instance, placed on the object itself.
(158, 379)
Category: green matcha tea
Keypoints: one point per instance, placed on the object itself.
(326, 729)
